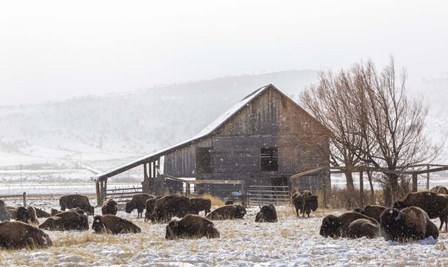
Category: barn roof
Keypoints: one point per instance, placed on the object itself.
(209, 130)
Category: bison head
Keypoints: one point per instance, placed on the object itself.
(399, 205)
(331, 227)
(240, 211)
(90, 210)
(129, 207)
(98, 225)
(171, 229)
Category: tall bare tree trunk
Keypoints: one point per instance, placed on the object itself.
(372, 191)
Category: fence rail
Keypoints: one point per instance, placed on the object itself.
(123, 194)
(18, 196)
(260, 195)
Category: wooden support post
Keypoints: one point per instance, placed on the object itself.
(99, 201)
(245, 197)
(187, 189)
(145, 171)
(324, 185)
(361, 189)
(24, 199)
(414, 182)
(427, 177)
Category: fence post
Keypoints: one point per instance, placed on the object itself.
(24, 199)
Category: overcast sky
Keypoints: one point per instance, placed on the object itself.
(52, 50)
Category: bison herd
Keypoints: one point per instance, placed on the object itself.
(409, 219)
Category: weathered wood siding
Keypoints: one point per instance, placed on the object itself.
(271, 120)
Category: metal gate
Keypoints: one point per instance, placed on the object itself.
(123, 194)
(268, 194)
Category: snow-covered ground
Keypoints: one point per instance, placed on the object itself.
(290, 242)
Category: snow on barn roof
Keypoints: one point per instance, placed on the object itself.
(209, 130)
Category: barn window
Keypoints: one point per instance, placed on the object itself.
(203, 160)
(269, 159)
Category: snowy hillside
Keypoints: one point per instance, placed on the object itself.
(128, 125)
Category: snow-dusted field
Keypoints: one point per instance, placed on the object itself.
(290, 242)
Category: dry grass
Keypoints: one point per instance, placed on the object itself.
(215, 200)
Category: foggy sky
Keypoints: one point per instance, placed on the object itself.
(52, 50)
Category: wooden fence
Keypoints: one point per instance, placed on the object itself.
(261, 195)
(123, 194)
(22, 196)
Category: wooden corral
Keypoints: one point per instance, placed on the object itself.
(263, 140)
(413, 171)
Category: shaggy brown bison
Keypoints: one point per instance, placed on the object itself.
(199, 204)
(138, 202)
(40, 213)
(305, 202)
(267, 213)
(27, 215)
(76, 201)
(227, 212)
(150, 205)
(191, 226)
(109, 207)
(169, 206)
(373, 211)
(411, 223)
(4, 213)
(18, 235)
(112, 224)
(67, 220)
(363, 227)
(439, 189)
(435, 205)
(229, 202)
(337, 226)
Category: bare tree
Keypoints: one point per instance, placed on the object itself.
(373, 120)
(328, 103)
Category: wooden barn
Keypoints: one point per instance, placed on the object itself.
(261, 141)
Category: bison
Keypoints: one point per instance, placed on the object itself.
(200, 204)
(363, 227)
(76, 201)
(227, 212)
(439, 189)
(4, 213)
(229, 202)
(40, 213)
(138, 202)
(27, 215)
(150, 205)
(435, 205)
(373, 211)
(337, 226)
(18, 235)
(67, 220)
(109, 207)
(305, 203)
(408, 224)
(169, 206)
(112, 224)
(191, 226)
(267, 213)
